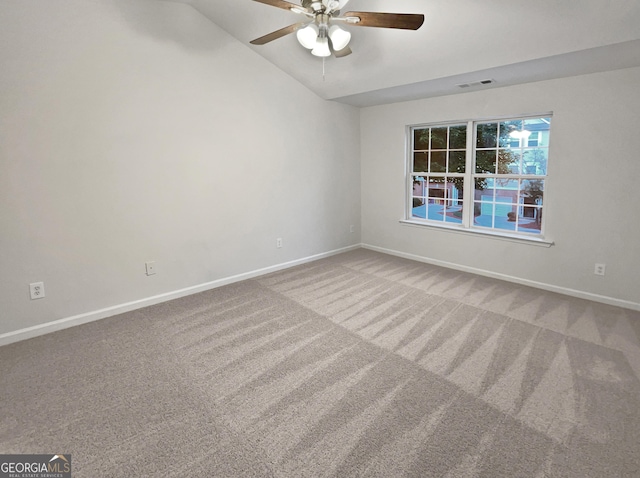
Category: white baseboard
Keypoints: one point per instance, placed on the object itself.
(42, 329)
(495, 275)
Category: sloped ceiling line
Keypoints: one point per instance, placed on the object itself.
(461, 41)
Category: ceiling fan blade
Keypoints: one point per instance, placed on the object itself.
(284, 5)
(405, 21)
(277, 34)
(344, 52)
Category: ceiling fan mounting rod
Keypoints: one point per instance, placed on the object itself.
(322, 20)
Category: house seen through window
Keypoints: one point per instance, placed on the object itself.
(482, 175)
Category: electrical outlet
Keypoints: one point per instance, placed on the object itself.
(279, 242)
(150, 268)
(352, 228)
(36, 290)
(599, 269)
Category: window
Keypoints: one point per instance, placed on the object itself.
(480, 175)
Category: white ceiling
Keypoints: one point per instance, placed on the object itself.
(461, 41)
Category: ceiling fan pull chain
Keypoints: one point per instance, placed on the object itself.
(323, 58)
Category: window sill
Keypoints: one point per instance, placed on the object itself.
(535, 241)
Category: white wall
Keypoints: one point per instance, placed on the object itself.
(133, 131)
(137, 130)
(592, 202)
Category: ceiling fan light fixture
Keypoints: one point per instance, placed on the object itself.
(339, 38)
(321, 36)
(322, 47)
(308, 36)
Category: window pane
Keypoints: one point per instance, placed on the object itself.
(508, 161)
(421, 139)
(515, 167)
(505, 217)
(534, 161)
(438, 162)
(418, 198)
(419, 209)
(487, 135)
(506, 203)
(486, 161)
(531, 222)
(530, 213)
(439, 138)
(420, 162)
(510, 133)
(419, 189)
(458, 137)
(507, 188)
(456, 186)
(483, 213)
(483, 186)
(533, 189)
(539, 128)
(436, 189)
(418, 201)
(457, 161)
(437, 194)
(419, 212)
(453, 209)
(509, 204)
(484, 194)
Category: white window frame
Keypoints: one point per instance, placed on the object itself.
(467, 225)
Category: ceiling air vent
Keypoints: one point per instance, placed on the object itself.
(476, 83)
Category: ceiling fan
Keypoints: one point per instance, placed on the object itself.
(321, 35)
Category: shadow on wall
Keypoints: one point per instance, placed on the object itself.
(173, 22)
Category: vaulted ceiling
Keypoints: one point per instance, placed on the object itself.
(461, 41)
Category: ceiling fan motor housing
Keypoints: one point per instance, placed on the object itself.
(320, 6)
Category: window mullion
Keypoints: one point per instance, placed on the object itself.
(467, 205)
(409, 172)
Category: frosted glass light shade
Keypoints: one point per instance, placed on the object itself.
(308, 35)
(339, 38)
(322, 47)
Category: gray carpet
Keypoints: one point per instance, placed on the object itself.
(361, 364)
